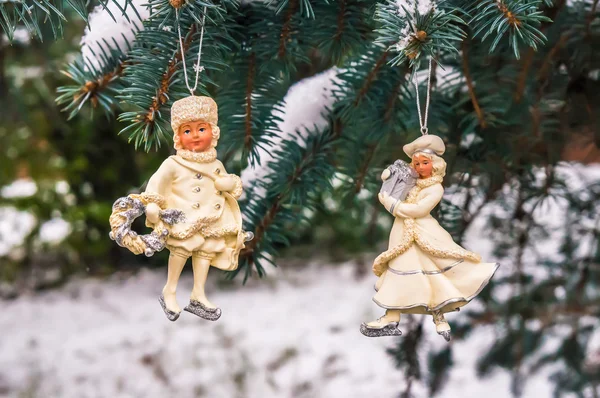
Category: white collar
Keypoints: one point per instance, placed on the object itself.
(200, 157)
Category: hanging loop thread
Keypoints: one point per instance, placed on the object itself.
(423, 121)
(197, 67)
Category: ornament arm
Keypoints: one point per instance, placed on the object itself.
(237, 189)
(160, 182)
(154, 197)
(234, 183)
(423, 207)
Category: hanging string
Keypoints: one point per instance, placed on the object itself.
(197, 67)
(423, 122)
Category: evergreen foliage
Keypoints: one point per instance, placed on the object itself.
(515, 86)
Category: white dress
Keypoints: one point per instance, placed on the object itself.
(424, 270)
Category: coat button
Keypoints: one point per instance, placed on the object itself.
(197, 189)
(217, 171)
(217, 206)
(199, 176)
(196, 205)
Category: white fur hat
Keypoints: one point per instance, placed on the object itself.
(431, 144)
(193, 108)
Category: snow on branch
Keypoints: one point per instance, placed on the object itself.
(107, 24)
(417, 29)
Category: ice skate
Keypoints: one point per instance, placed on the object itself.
(197, 308)
(387, 325)
(171, 315)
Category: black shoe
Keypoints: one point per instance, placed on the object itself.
(199, 309)
(171, 315)
(391, 329)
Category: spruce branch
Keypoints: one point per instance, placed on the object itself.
(371, 103)
(364, 168)
(147, 126)
(547, 63)
(33, 14)
(247, 92)
(248, 141)
(590, 18)
(518, 18)
(371, 76)
(342, 28)
(418, 33)
(157, 78)
(471, 88)
(305, 6)
(521, 82)
(299, 171)
(98, 84)
(286, 30)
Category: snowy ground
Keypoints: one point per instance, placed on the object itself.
(292, 335)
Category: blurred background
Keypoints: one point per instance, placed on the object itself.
(80, 315)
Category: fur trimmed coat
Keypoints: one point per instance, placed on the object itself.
(424, 270)
(213, 221)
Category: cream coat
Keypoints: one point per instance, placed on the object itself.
(213, 222)
(424, 270)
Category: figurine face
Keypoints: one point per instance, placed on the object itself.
(195, 136)
(423, 165)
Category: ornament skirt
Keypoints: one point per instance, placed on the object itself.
(415, 282)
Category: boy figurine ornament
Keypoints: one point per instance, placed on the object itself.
(208, 227)
(423, 271)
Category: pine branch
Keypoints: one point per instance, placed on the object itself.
(145, 124)
(306, 7)
(421, 35)
(523, 75)
(248, 93)
(390, 107)
(341, 29)
(369, 88)
(545, 68)
(362, 173)
(158, 59)
(389, 112)
(406, 354)
(33, 16)
(98, 85)
(249, 89)
(518, 18)
(370, 78)
(298, 172)
(286, 29)
(590, 18)
(469, 79)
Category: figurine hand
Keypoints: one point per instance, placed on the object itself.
(385, 175)
(225, 183)
(152, 211)
(386, 200)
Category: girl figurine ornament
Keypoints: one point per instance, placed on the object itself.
(423, 271)
(195, 182)
(190, 202)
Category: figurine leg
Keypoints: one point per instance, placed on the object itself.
(201, 266)
(441, 325)
(387, 325)
(389, 317)
(176, 264)
(199, 304)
